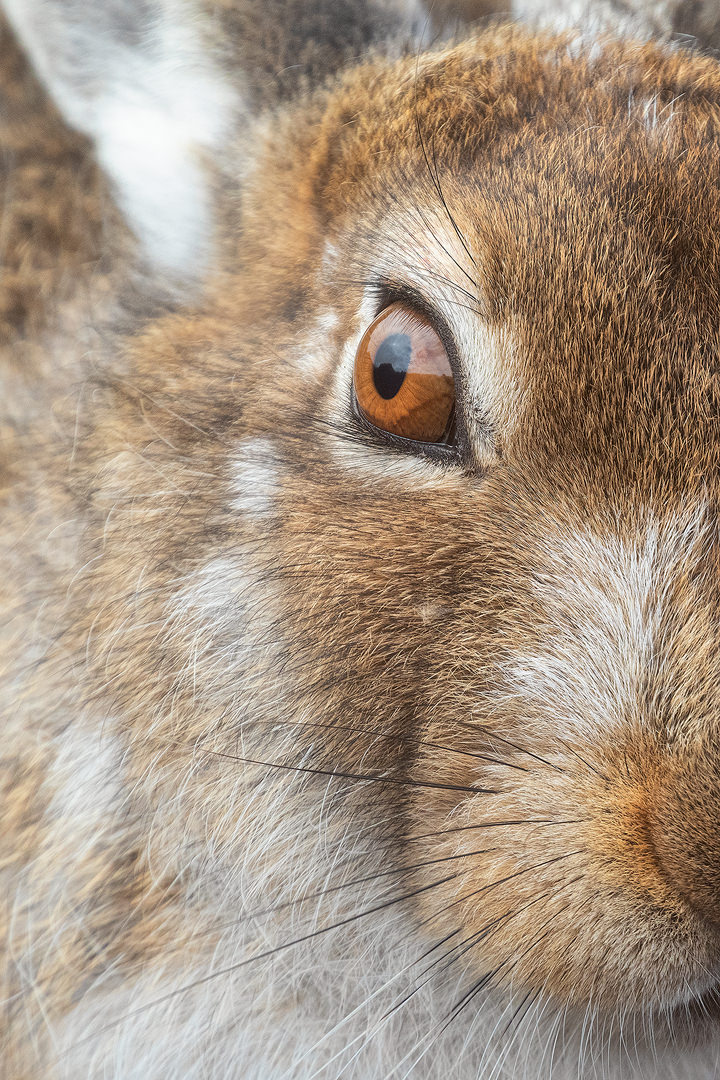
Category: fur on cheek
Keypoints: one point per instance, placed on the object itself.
(328, 759)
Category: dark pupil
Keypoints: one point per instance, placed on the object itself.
(391, 363)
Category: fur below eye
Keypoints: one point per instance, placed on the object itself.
(403, 380)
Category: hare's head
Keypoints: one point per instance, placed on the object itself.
(418, 505)
(440, 501)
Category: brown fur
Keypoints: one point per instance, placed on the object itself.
(386, 616)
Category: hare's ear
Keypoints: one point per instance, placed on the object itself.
(156, 85)
(699, 20)
(138, 78)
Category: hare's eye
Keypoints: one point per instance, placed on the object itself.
(403, 381)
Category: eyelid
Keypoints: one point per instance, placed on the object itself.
(443, 453)
(393, 292)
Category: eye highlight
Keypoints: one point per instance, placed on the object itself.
(403, 380)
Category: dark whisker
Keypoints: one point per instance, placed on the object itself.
(334, 774)
(520, 749)
(399, 870)
(348, 1016)
(438, 188)
(232, 968)
(537, 940)
(491, 975)
(404, 738)
(390, 872)
(585, 762)
(496, 825)
(425, 273)
(435, 237)
(466, 945)
(530, 998)
(508, 877)
(435, 179)
(443, 200)
(490, 927)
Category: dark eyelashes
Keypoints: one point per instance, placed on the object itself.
(442, 453)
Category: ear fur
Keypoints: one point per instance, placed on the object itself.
(160, 85)
(632, 18)
(135, 76)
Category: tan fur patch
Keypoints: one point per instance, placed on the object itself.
(315, 740)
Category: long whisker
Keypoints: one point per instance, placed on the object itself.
(424, 273)
(464, 946)
(488, 978)
(399, 870)
(402, 738)
(585, 762)
(336, 774)
(535, 942)
(230, 969)
(542, 822)
(523, 1008)
(446, 208)
(392, 871)
(502, 881)
(363, 1004)
(435, 179)
(521, 749)
(479, 935)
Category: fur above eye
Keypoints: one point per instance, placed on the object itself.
(403, 380)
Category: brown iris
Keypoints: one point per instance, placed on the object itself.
(403, 380)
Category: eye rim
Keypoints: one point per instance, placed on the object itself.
(445, 452)
(454, 450)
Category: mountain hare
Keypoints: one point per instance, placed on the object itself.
(359, 448)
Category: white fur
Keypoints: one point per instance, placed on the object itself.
(255, 477)
(315, 356)
(84, 789)
(604, 606)
(638, 18)
(86, 778)
(658, 119)
(153, 105)
(642, 19)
